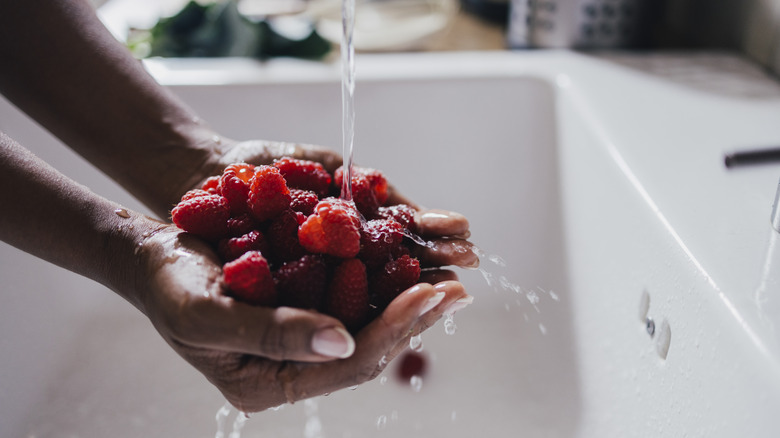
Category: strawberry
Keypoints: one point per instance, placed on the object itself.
(304, 174)
(234, 247)
(249, 279)
(268, 193)
(303, 201)
(333, 229)
(282, 236)
(379, 240)
(205, 216)
(302, 283)
(347, 297)
(234, 186)
(395, 277)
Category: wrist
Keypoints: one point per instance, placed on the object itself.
(125, 253)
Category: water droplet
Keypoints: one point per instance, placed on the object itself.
(381, 422)
(449, 325)
(354, 387)
(542, 329)
(138, 248)
(415, 343)
(532, 296)
(664, 339)
(121, 212)
(382, 362)
(383, 380)
(216, 139)
(416, 382)
(644, 305)
(497, 260)
(554, 296)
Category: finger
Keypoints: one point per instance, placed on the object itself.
(282, 333)
(441, 223)
(455, 299)
(447, 252)
(373, 342)
(434, 276)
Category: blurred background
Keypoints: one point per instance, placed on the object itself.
(748, 27)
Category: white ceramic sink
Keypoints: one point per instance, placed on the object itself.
(596, 182)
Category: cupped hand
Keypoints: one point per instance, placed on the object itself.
(262, 357)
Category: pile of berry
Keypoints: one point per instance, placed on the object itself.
(286, 239)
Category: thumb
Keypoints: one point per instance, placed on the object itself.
(283, 333)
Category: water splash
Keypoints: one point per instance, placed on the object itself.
(223, 414)
(449, 324)
(347, 94)
(381, 422)
(415, 343)
(313, 427)
(416, 383)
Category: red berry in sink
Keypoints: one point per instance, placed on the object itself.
(411, 364)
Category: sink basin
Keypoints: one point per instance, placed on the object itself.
(627, 287)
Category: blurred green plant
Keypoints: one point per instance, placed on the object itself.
(219, 29)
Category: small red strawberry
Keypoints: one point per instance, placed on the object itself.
(395, 277)
(379, 240)
(333, 229)
(347, 297)
(249, 279)
(302, 283)
(234, 186)
(304, 174)
(282, 234)
(268, 193)
(204, 216)
(303, 201)
(232, 248)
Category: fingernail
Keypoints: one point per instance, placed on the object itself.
(434, 215)
(333, 342)
(459, 305)
(432, 302)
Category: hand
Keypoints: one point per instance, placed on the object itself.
(262, 357)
